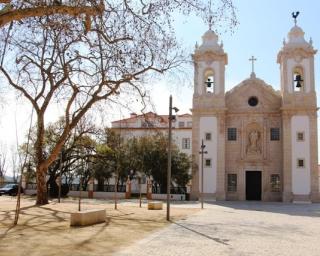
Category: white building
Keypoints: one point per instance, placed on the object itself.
(151, 123)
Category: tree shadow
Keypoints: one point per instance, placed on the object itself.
(217, 240)
(39, 219)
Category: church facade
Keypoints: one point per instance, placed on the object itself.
(260, 144)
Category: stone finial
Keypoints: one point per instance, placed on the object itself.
(311, 41)
(196, 45)
(295, 16)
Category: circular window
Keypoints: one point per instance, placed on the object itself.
(253, 101)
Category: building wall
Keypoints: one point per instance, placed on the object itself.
(301, 177)
(239, 160)
(209, 125)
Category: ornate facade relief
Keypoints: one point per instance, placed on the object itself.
(254, 142)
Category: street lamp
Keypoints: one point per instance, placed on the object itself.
(60, 178)
(202, 152)
(171, 117)
(140, 196)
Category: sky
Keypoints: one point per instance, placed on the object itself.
(263, 24)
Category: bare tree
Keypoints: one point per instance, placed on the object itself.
(74, 64)
(18, 10)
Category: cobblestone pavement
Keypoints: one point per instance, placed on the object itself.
(238, 228)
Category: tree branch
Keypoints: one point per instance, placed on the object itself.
(19, 14)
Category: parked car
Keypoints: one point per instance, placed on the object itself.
(9, 189)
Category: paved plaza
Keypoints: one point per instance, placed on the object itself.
(238, 228)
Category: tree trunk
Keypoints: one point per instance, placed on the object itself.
(54, 188)
(101, 184)
(42, 195)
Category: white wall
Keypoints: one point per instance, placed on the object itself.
(300, 176)
(209, 124)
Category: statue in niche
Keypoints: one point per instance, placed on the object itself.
(253, 145)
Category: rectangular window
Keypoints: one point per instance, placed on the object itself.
(189, 124)
(300, 136)
(232, 182)
(275, 134)
(186, 143)
(207, 162)
(300, 163)
(232, 133)
(275, 182)
(181, 124)
(208, 136)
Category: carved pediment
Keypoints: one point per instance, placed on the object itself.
(269, 100)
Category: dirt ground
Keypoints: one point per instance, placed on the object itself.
(46, 230)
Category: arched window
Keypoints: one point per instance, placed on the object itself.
(298, 79)
(209, 81)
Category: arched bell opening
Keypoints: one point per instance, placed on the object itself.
(209, 83)
(298, 79)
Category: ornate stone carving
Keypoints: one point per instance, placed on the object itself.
(253, 142)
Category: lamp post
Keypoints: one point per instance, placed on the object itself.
(202, 152)
(60, 179)
(171, 117)
(140, 199)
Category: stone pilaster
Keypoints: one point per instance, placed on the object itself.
(287, 158)
(314, 158)
(221, 183)
(195, 156)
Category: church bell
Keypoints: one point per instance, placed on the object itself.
(298, 80)
(209, 82)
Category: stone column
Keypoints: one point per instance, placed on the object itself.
(128, 188)
(149, 189)
(90, 188)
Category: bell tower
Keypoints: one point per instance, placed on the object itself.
(209, 66)
(209, 117)
(299, 117)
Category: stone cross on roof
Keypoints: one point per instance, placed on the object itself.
(253, 59)
(210, 18)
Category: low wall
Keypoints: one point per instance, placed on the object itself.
(84, 194)
(175, 197)
(108, 195)
(30, 192)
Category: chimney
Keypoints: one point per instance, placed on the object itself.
(132, 115)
